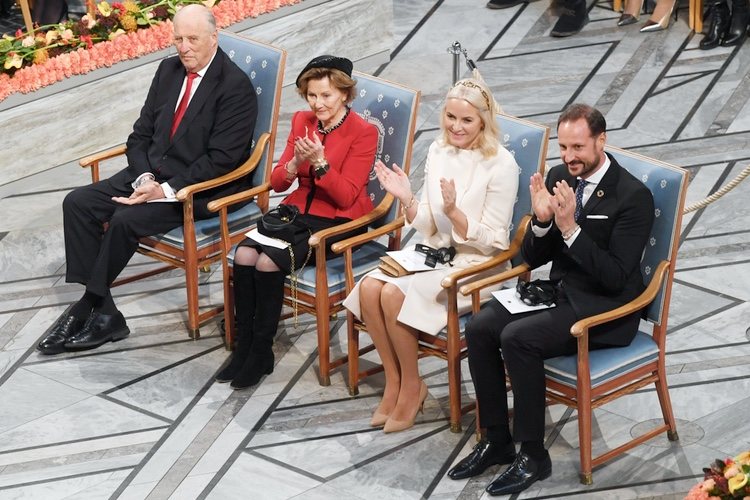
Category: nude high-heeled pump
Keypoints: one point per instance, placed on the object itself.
(393, 425)
(662, 23)
(378, 419)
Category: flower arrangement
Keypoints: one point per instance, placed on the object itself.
(724, 480)
(115, 32)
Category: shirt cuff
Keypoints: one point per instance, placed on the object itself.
(144, 177)
(168, 191)
(540, 231)
(573, 237)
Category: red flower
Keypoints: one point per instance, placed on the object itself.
(87, 39)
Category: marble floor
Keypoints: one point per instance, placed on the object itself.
(143, 418)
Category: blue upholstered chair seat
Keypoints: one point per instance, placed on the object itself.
(462, 320)
(606, 364)
(207, 231)
(364, 259)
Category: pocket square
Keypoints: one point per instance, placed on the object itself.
(597, 217)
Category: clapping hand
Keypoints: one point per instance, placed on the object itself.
(308, 149)
(150, 190)
(564, 205)
(541, 199)
(394, 181)
(448, 190)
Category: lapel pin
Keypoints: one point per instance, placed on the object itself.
(600, 193)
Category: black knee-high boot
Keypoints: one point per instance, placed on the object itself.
(244, 313)
(718, 27)
(268, 304)
(737, 30)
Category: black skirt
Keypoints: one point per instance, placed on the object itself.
(302, 254)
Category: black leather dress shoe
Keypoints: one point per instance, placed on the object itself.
(485, 454)
(504, 4)
(521, 474)
(56, 335)
(99, 329)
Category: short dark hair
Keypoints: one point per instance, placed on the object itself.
(595, 120)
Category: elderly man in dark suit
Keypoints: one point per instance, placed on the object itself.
(197, 124)
(592, 220)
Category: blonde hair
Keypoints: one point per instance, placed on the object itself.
(475, 92)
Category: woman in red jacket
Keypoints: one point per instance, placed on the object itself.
(330, 152)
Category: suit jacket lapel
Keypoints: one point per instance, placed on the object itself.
(205, 89)
(605, 187)
(175, 85)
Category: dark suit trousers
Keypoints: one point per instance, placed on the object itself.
(95, 257)
(498, 340)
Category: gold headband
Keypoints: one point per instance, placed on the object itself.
(470, 84)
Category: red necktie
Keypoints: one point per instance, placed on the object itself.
(183, 103)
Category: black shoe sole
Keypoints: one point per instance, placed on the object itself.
(116, 336)
(495, 6)
(563, 34)
(520, 487)
(253, 383)
(58, 349)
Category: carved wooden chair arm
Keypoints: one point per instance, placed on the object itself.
(320, 237)
(343, 245)
(581, 327)
(245, 169)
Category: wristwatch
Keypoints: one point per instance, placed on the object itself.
(321, 169)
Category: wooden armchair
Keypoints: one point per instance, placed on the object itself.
(527, 141)
(197, 244)
(392, 108)
(590, 379)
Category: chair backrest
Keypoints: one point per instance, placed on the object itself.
(264, 64)
(392, 108)
(668, 184)
(527, 142)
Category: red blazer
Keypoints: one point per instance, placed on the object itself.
(350, 151)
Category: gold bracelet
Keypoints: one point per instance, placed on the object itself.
(412, 200)
(569, 234)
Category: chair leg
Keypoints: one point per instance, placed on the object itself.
(454, 390)
(666, 407)
(584, 438)
(324, 346)
(352, 336)
(191, 287)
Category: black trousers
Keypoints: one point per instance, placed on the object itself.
(498, 340)
(95, 257)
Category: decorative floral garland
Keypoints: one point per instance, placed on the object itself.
(724, 480)
(119, 46)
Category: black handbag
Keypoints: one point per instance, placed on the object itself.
(283, 223)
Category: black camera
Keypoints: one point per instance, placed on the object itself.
(443, 255)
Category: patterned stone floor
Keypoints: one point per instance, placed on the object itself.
(142, 418)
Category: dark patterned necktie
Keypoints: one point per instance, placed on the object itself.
(579, 197)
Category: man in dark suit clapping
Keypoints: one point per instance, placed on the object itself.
(592, 220)
(197, 124)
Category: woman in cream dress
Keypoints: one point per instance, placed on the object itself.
(467, 203)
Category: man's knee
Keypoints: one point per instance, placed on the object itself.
(75, 200)
(482, 329)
